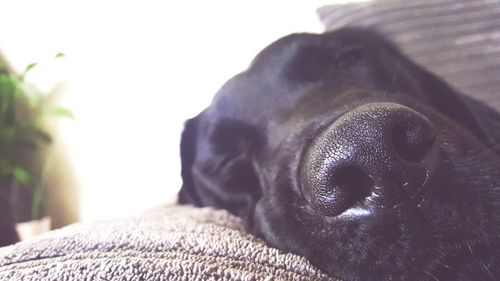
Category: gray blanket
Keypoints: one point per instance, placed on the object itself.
(170, 243)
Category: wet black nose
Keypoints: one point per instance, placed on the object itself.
(375, 156)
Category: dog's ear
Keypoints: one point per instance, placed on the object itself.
(188, 193)
(221, 174)
(228, 177)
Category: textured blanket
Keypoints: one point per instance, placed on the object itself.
(170, 243)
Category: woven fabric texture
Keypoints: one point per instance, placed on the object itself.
(170, 243)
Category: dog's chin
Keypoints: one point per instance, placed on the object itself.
(450, 232)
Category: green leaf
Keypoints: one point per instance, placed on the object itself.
(60, 55)
(30, 67)
(60, 112)
(21, 175)
(26, 70)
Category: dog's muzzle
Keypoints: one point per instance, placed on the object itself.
(377, 156)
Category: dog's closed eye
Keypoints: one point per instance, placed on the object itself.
(349, 56)
(317, 63)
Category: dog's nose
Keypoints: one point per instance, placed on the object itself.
(376, 156)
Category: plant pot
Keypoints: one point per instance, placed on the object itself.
(8, 233)
(15, 214)
(21, 199)
(30, 229)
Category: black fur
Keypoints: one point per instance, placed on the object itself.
(247, 153)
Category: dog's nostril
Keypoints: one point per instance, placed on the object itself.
(331, 192)
(347, 186)
(412, 140)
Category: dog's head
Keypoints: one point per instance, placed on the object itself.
(339, 148)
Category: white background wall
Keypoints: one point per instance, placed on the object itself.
(135, 70)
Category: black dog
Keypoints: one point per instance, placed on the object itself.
(339, 148)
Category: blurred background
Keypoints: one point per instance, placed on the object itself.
(130, 73)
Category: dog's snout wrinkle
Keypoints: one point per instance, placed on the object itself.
(375, 156)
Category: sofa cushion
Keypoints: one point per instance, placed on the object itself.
(169, 243)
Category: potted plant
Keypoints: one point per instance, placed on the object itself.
(23, 138)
